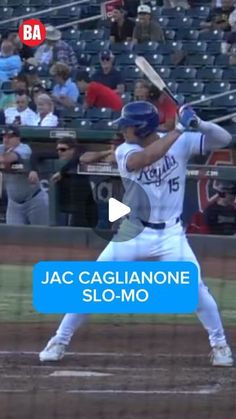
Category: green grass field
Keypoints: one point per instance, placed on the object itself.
(16, 300)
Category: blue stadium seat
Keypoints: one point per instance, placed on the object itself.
(103, 125)
(168, 47)
(187, 34)
(154, 59)
(200, 12)
(91, 35)
(156, 12)
(96, 46)
(43, 4)
(215, 87)
(76, 113)
(43, 71)
(80, 123)
(193, 47)
(6, 86)
(127, 59)
(214, 48)
(146, 47)
(173, 86)
(84, 59)
(164, 72)
(164, 22)
(199, 60)
(229, 74)
(6, 12)
(70, 34)
(23, 10)
(222, 60)
(132, 73)
(191, 87)
(121, 47)
(173, 12)
(98, 113)
(67, 12)
(210, 73)
(211, 35)
(228, 101)
(78, 46)
(183, 73)
(170, 35)
(15, 3)
(180, 22)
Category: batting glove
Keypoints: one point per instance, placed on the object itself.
(188, 117)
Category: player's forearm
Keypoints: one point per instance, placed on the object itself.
(215, 136)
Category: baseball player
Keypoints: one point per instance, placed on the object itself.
(27, 202)
(161, 173)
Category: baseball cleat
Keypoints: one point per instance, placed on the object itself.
(54, 351)
(221, 356)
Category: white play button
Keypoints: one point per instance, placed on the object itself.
(117, 210)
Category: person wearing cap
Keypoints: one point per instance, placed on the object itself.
(96, 94)
(20, 114)
(121, 27)
(108, 75)
(146, 29)
(54, 49)
(27, 202)
(220, 216)
(65, 93)
(10, 62)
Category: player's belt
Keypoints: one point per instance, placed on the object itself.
(34, 194)
(159, 226)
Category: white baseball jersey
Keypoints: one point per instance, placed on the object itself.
(163, 181)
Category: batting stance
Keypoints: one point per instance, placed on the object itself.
(158, 165)
(27, 202)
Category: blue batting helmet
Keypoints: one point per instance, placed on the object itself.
(142, 115)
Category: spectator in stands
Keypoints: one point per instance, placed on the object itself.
(20, 84)
(96, 94)
(55, 49)
(146, 29)
(22, 50)
(122, 27)
(220, 217)
(219, 17)
(141, 90)
(45, 107)
(108, 75)
(21, 114)
(8, 93)
(10, 63)
(36, 90)
(65, 92)
(228, 45)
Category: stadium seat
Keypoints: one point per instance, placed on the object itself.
(164, 72)
(43, 71)
(94, 114)
(84, 59)
(156, 12)
(146, 47)
(6, 12)
(103, 125)
(200, 12)
(132, 73)
(183, 73)
(80, 124)
(191, 87)
(16, 3)
(71, 34)
(6, 86)
(96, 46)
(168, 47)
(67, 12)
(187, 34)
(228, 101)
(38, 3)
(125, 59)
(215, 87)
(164, 22)
(229, 74)
(214, 48)
(199, 60)
(170, 35)
(211, 35)
(172, 85)
(210, 73)
(173, 12)
(121, 47)
(76, 113)
(193, 47)
(78, 46)
(180, 22)
(154, 59)
(126, 97)
(222, 60)
(90, 35)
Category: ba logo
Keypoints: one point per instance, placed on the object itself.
(32, 32)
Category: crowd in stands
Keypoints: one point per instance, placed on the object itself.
(80, 75)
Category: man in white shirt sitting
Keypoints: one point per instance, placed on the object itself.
(20, 114)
